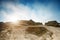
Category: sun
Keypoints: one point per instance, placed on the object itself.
(11, 18)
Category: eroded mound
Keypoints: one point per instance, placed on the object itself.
(38, 31)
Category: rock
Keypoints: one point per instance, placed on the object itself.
(2, 26)
(59, 24)
(38, 23)
(3, 31)
(39, 31)
(29, 22)
(11, 32)
(52, 23)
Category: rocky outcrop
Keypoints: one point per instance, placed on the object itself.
(33, 31)
(36, 30)
(29, 22)
(2, 26)
(59, 24)
(52, 23)
(39, 32)
(38, 23)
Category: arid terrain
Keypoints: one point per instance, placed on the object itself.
(28, 30)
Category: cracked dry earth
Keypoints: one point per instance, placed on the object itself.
(30, 33)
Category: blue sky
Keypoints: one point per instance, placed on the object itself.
(37, 10)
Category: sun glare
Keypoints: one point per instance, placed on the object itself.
(12, 18)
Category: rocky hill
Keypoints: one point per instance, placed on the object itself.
(52, 23)
(28, 30)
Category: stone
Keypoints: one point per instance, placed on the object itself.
(39, 31)
(52, 23)
(29, 22)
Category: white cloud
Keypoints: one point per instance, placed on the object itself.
(23, 12)
(43, 12)
(18, 11)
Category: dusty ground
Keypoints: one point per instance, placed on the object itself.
(19, 33)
